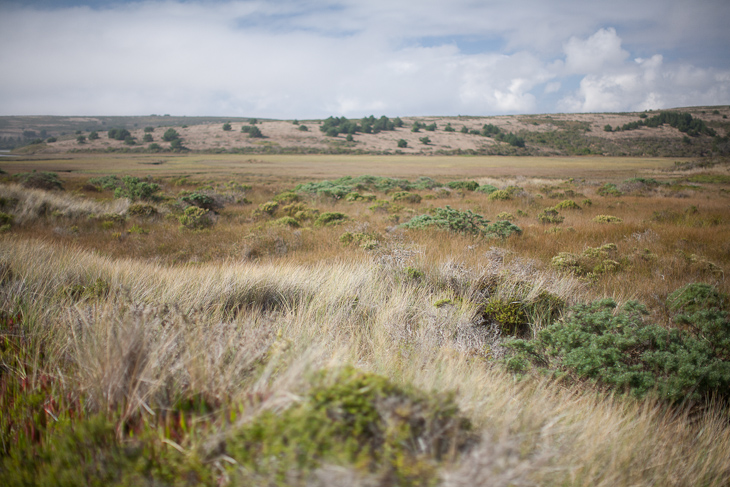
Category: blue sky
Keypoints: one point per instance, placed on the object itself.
(315, 58)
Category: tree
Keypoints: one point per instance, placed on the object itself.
(170, 135)
(255, 133)
(149, 129)
(607, 128)
(464, 130)
(118, 134)
(147, 138)
(349, 138)
(81, 139)
(227, 126)
(449, 128)
(303, 128)
(425, 140)
(93, 135)
(402, 143)
(253, 121)
(129, 140)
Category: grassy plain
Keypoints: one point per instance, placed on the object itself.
(215, 355)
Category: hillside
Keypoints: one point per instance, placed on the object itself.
(536, 135)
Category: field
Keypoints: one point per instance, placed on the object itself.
(284, 319)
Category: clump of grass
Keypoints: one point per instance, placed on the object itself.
(591, 262)
(606, 219)
(550, 216)
(330, 218)
(567, 205)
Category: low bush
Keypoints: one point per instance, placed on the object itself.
(141, 210)
(40, 180)
(195, 218)
(616, 348)
(505, 216)
(202, 200)
(353, 418)
(466, 222)
(407, 197)
(609, 189)
(567, 205)
(487, 189)
(330, 218)
(467, 185)
(136, 189)
(590, 262)
(286, 197)
(286, 221)
(550, 215)
(606, 219)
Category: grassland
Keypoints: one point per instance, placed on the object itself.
(220, 330)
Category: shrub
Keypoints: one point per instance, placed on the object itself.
(129, 140)
(227, 127)
(407, 197)
(266, 209)
(40, 180)
(6, 221)
(425, 140)
(155, 147)
(510, 316)
(286, 197)
(195, 218)
(500, 195)
(303, 128)
(170, 135)
(118, 134)
(255, 133)
(402, 143)
(142, 210)
(147, 138)
(487, 189)
(618, 349)
(149, 129)
(505, 216)
(607, 128)
(467, 185)
(550, 215)
(286, 221)
(177, 145)
(465, 222)
(586, 202)
(592, 261)
(567, 205)
(357, 418)
(203, 201)
(364, 240)
(51, 139)
(136, 189)
(609, 189)
(606, 219)
(449, 128)
(81, 139)
(330, 218)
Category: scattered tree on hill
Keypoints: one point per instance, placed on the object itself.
(227, 126)
(170, 135)
(255, 133)
(425, 140)
(93, 135)
(449, 128)
(402, 143)
(118, 134)
(81, 139)
(147, 138)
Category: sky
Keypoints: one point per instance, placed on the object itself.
(304, 59)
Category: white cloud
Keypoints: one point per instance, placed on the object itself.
(317, 58)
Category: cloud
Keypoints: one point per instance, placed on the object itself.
(315, 58)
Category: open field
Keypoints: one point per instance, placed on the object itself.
(231, 319)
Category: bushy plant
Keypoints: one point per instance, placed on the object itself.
(424, 140)
(617, 348)
(606, 219)
(136, 189)
(286, 221)
(227, 127)
(402, 143)
(118, 134)
(466, 222)
(40, 180)
(286, 197)
(550, 215)
(359, 419)
(567, 205)
(467, 185)
(505, 216)
(330, 218)
(141, 210)
(590, 262)
(407, 197)
(202, 200)
(609, 189)
(488, 189)
(195, 218)
(170, 135)
(510, 315)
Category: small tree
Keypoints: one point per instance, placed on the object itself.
(607, 128)
(425, 140)
(303, 128)
(227, 126)
(129, 140)
(253, 121)
(93, 135)
(149, 129)
(449, 128)
(464, 130)
(177, 144)
(255, 133)
(402, 143)
(170, 135)
(349, 138)
(295, 122)
(81, 139)
(147, 138)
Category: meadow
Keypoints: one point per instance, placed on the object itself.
(203, 319)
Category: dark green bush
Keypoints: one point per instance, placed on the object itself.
(118, 134)
(407, 197)
(467, 185)
(203, 201)
(40, 180)
(195, 218)
(170, 135)
(330, 218)
(609, 189)
(402, 143)
(359, 419)
(486, 189)
(618, 349)
(136, 189)
(466, 222)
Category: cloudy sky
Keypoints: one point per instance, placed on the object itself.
(315, 58)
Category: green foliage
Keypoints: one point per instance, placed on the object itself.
(303, 128)
(149, 129)
(266, 209)
(141, 210)
(510, 315)
(81, 139)
(286, 221)
(616, 348)
(286, 197)
(330, 218)
(355, 196)
(607, 128)
(467, 185)
(424, 140)
(154, 147)
(506, 216)
(93, 135)
(227, 127)
(203, 201)
(606, 219)
(255, 133)
(136, 189)
(402, 143)
(147, 138)
(40, 180)
(341, 187)
(431, 127)
(449, 128)
(118, 134)
(177, 145)
(170, 135)
(6, 219)
(609, 189)
(51, 140)
(464, 129)
(500, 195)
(709, 178)
(591, 262)
(353, 418)
(487, 189)
(367, 241)
(195, 218)
(465, 222)
(550, 215)
(684, 122)
(407, 197)
(129, 140)
(567, 205)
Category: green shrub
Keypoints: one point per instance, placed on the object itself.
(136, 189)
(40, 180)
(465, 222)
(106, 182)
(330, 218)
(402, 143)
(286, 221)
(407, 197)
(353, 418)
(170, 135)
(154, 147)
(286, 197)
(424, 182)
(141, 210)
(505, 216)
(586, 202)
(609, 189)
(510, 315)
(300, 211)
(6, 219)
(567, 205)
(467, 185)
(202, 201)
(590, 262)
(366, 241)
(118, 134)
(303, 128)
(147, 138)
(618, 349)
(266, 209)
(550, 215)
(195, 218)
(227, 127)
(424, 140)
(500, 195)
(606, 219)
(487, 189)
